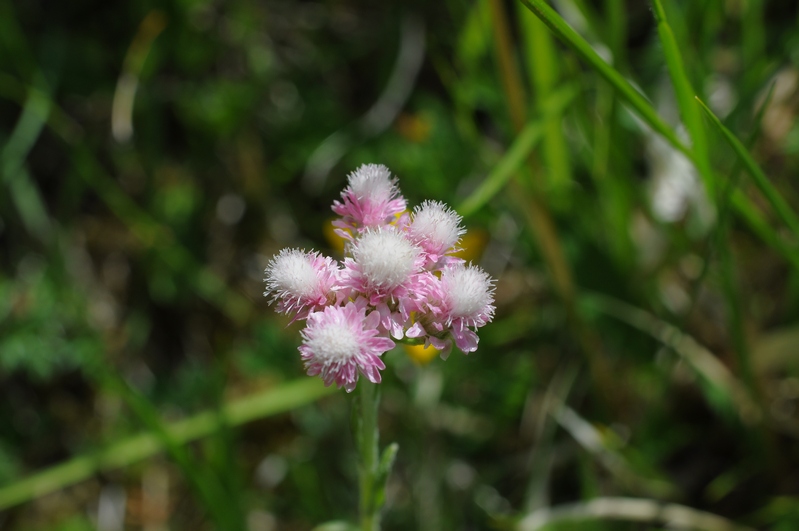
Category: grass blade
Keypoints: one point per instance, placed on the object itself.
(13, 173)
(783, 210)
(30, 205)
(644, 110)
(579, 45)
(544, 72)
(517, 153)
(672, 515)
(703, 362)
(718, 245)
(142, 446)
(692, 117)
(762, 228)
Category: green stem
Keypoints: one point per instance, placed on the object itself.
(368, 440)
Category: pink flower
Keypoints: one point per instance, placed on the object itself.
(301, 282)
(384, 265)
(464, 298)
(436, 229)
(399, 279)
(371, 199)
(386, 268)
(341, 341)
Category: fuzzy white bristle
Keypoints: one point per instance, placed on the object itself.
(372, 181)
(291, 273)
(334, 342)
(438, 224)
(386, 257)
(469, 290)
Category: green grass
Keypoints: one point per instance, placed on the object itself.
(632, 355)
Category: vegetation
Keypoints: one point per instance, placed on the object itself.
(624, 169)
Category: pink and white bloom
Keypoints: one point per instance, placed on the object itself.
(437, 229)
(399, 280)
(387, 269)
(383, 260)
(371, 199)
(466, 300)
(301, 282)
(341, 341)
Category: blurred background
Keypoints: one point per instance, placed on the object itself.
(154, 155)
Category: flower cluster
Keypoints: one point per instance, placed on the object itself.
(399, 282)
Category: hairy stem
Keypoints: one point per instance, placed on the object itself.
(368, 437)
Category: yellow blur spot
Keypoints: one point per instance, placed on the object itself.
(414, 127)
(472, 245)
(420, 354)
(335, 241)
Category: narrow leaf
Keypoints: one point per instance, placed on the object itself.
(383, 471)
(692, 117)
(139, 447)
(781, 207)
(579, 45)
(543, 68)
(524, 143)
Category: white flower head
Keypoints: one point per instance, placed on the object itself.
(291, 272)
(342, 341)
(436, 227)
(372, 182)
(386, 258)
(469, 293)
(336, 342)
(300, 280)
(371, 199)
(466, 300)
